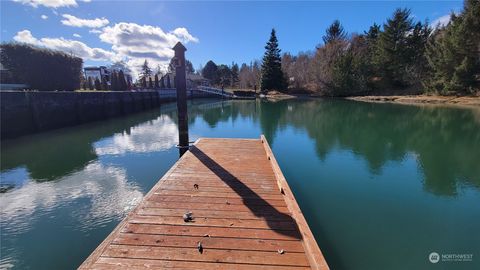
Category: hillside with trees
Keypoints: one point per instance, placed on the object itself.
(401, 56)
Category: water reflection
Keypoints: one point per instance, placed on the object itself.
(156, 135)
(445, 141)
(74, 185)
(107, 188)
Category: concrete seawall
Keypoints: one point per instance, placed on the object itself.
(29, 112)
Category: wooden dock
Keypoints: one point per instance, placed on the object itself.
(244, 216)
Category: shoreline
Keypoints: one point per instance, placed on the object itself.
(463, 101)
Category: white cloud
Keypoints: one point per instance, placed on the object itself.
(183, 34)
(77, 35)
(107, 187)
(75, 47)
(139, 42)
(25, 36)
(95, 31)
(158, 135)
(48, 3)
(441, 21)
(71, 20)
(44, 17)
(129, 42)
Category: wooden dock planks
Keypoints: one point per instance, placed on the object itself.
(244, 214)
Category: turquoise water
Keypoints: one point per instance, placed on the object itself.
(381, 185)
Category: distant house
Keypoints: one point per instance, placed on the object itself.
(193, 80)
(103, 73)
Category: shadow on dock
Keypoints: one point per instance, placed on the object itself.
(267, 211)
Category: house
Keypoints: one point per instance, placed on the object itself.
(193, 80)
(103, 73)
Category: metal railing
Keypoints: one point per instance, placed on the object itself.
(215, 91)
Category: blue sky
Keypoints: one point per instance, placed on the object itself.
(105, 31)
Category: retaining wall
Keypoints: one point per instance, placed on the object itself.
(29, 112)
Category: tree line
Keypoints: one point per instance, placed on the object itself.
(402, 56)
(117, 82)
(221, 75)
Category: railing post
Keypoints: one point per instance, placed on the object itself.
(181, 86)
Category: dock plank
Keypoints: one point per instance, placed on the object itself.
(243, 214)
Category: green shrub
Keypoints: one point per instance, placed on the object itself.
(42, 69)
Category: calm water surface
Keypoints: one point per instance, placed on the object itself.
(381, 185)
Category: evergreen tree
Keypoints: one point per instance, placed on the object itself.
(104, 84)
(394, 50)
(373, 32)
(224, 75)
(146, 71)
(189, 67)
(114, 81)
(156, 81)
(162, 82)
(334, 32)
(122, 83)
(234, 72)
(168, 82)
(150, 82)
(272, 74)
(371, 41)
(98, 85)
(144, 82)
(90, 83)
(453, 53)
(210, 72)
(417, 47)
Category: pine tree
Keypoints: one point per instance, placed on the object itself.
(373, 32)
(156, 81)
(114, 81)
(210, 72)
(394, 50)
(104, 84)
(452, 53)
(144, 82)
(371, 42)
(189, 67)
(168, 82)
(224, 75)
(150, 82)
(98, 85)
(122, 83)
(234, 71)
(90, 83)
(272, 74)
(162, 82)
(334, 32)
(146, 71)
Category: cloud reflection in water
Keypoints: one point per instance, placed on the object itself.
(156, 135)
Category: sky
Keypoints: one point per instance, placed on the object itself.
(102, 32)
